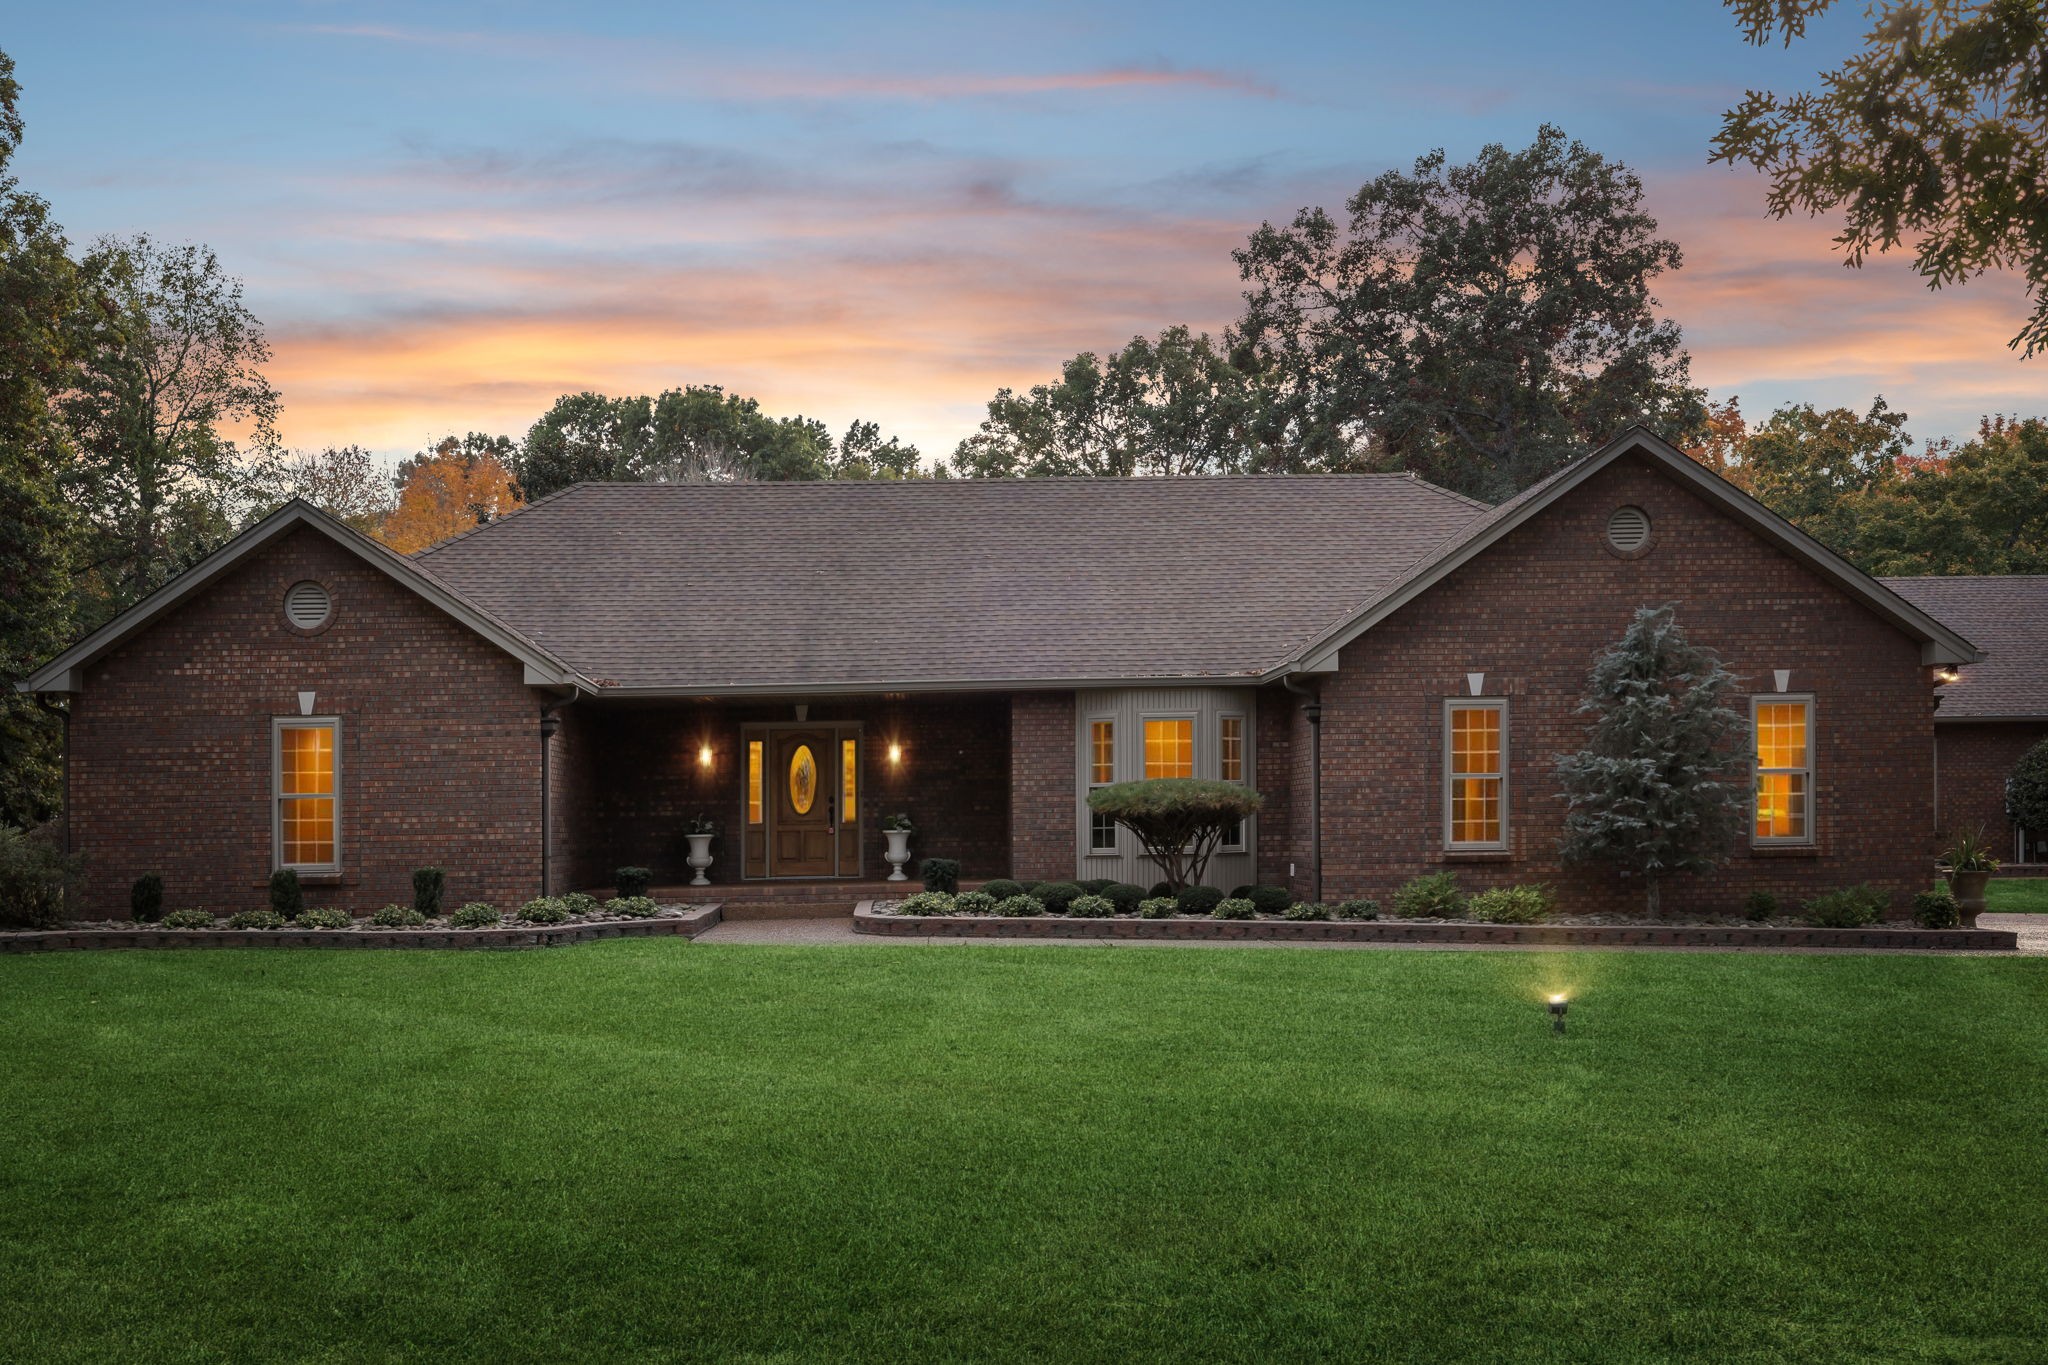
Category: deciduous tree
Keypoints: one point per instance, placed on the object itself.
(446, 493)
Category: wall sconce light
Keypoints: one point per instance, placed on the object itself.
(704, 755)
(1557, 1004)
(1947, 674)
(895, 753)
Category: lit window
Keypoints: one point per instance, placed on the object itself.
(307, 789)
(1101, 772)
(753, 781)
(803, 780)
(1475, 777)
(849, 764)
(1230, 767)
(1169, 748)
(1784, 771)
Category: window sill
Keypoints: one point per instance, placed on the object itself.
(314, 879)
(1784, 850)
(1475, 855)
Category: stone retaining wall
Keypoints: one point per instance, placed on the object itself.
(688, 925)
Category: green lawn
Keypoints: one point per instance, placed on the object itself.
(657, 1150)
(2017, 896)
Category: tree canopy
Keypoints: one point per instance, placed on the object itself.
(1937, 129)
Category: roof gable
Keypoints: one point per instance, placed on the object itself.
(63, 673)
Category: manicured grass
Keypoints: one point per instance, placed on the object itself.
(659, 1150)
(2017, 896)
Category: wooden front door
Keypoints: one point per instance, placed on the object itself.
(803, 773)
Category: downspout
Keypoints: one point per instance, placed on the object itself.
(64, 714)
(1312, 707)
(550, 723)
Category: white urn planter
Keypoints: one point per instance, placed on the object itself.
(700, 857)
(898, 853)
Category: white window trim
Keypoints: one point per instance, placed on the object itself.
(1451, 705)
(1757, 770)
(1116, 836)
(278, 725)
(1244, 777)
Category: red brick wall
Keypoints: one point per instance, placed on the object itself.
(1976, 759)
(1533, 612)
(1043, 840)
(171, 743)
(646, 781)
(1279, 768)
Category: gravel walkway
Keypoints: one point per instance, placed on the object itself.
(2033, 932)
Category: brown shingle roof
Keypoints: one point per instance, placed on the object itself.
(947, 582)
(2005, 615)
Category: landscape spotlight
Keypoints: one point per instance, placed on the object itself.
(1557, 1013)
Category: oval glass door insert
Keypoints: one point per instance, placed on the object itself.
(803, 780)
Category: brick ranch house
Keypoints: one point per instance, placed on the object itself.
(1394, 666)
(1990, 713)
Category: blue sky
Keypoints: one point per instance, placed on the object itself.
(449, 214)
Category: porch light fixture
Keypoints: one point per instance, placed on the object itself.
(1947, 674)
(895, 753)
(704, 755)
(1557, 1004)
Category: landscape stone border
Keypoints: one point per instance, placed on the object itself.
(868, 920)
(689, 924)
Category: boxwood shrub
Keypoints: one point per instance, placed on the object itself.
(1002, 888)
(632, 881)
(632, 907)
(189, 919)
(1936, 910)
(1158, 907)
(325, 919)
(398, 917)
(146, 898)
(1095, 886)
(1018, 907)
(974, 903)
(1058, 896)
(940, 874)
(1125, 896)
(1198, 900)
(1435, 896)
(477, 915)
(1159, 889)
(1271, 900)
(1090, 907)
(1235, 907)
(1358, 908)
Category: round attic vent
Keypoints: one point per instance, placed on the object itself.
(1628, 530)
(307, 605)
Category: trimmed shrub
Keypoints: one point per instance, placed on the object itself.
(940, 874)
(974, 903)
(632, 881)
(146, 898)
(287, 898)
(1435, 896)
(1095, 886)
(1002, 888)
(1235, 907)
(1178, 821)
(1271, 900)
(2026, 791)
(544, 910)
(256, 919)
(1306, 910)
(1090, 907)
(1017, 907)
(325, 919)
(1852, 907)
(33, 876)
(1360, 908)
(1124, 896)
(477, 915)
(1511, 905)
(1198, 900)
(1058, 896)
(926, 903)
(1159, 889)
(581, 903)
(1237, 891)
(1759, 905)
(1158, 907)
(398, 917)
(1937, 910)
(632, 907)
(427, 885)
(188, 919)
(1030, 888)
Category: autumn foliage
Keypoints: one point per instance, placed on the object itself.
(446, 492)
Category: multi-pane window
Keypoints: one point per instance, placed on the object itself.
(1169, 748)
(1230, 767)
(1101, 772)
(307, 787)
(753, 781)
(849, 765)
(1784, 770)
(1475, 774)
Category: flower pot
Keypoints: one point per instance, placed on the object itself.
(700, 857)
(1968, 889)
(898, 852)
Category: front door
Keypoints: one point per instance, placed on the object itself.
(802, 773)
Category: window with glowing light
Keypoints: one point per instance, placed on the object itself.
(753, 781)
(1101, 772)
(307, 783)
(849, 765)
(1784, 769)
(1475, 775)
(1230, 768)
(1169, 748)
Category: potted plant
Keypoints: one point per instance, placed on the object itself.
(699, 832)
(897, 830)
(1968, 865)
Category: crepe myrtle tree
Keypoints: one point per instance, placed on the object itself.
(1178, 820)
(1660, 786)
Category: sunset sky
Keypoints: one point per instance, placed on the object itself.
(449, 214)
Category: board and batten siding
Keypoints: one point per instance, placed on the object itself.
(1130, 708)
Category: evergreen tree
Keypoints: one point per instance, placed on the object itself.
(1657, 789)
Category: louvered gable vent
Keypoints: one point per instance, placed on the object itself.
(1628, 530)
(306, 606)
